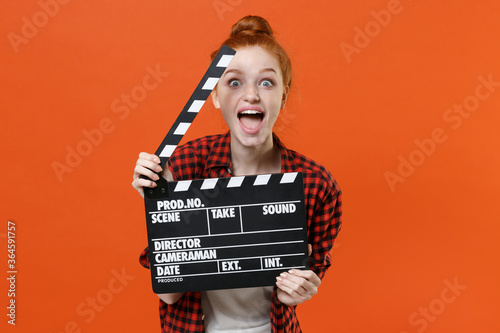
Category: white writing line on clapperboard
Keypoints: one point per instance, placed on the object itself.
(229, 233)
(240, 245)
(230, 272)
(240, 258)
(268, 208)
(230, 266)
(215, 207)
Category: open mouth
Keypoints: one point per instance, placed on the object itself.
(250, 119)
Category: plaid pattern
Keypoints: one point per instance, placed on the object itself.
(210, 157)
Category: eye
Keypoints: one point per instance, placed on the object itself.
(267, 83)
(234, 83)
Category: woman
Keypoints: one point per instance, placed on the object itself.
(250, 95)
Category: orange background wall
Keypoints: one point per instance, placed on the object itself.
(379, 108)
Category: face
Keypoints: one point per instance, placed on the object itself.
(250, 95)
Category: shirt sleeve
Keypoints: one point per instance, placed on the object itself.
(181, 170)
(325, 226)
(144, 258)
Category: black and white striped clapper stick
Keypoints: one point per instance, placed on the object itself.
(189, 112)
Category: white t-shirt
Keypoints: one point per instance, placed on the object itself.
(244, 310)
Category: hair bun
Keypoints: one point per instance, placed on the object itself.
(252, 25)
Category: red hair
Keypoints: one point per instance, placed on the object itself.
(256, 31)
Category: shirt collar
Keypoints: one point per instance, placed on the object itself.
(287, 160)
(220, 154)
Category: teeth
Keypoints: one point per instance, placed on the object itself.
(250, 112)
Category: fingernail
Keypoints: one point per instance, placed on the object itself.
(154, 184)
(283, 274)
(158, 168)
(279, 279)
(157, 177)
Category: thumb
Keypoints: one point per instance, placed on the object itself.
(310, 248)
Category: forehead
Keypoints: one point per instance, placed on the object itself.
(252, 60)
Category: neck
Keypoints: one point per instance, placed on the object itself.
(265, 158)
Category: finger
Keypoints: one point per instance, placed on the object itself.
(289, 291)
(140, 190)
(306, 274)
(139, 171)
(287, 286)
(137, 187)
(310, 248)
(149, 161)
(150, 157)
(141, 182)
(292, 289)
(149, 164)
(299, 284)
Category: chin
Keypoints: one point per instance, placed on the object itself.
(254, 141)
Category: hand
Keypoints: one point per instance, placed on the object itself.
(297, 286)
(146, 165)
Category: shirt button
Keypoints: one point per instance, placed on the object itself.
(229, 171)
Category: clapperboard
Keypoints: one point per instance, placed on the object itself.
(222, 233)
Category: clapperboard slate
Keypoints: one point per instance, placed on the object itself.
(222, 233)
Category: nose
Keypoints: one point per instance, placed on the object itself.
(251, 94)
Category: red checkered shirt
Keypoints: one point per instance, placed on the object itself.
(210, 157)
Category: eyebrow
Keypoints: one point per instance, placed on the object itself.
(268, 69)
(237, 71)
(233, 70)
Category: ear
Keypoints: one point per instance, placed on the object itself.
(215, 98)
(284, 97)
